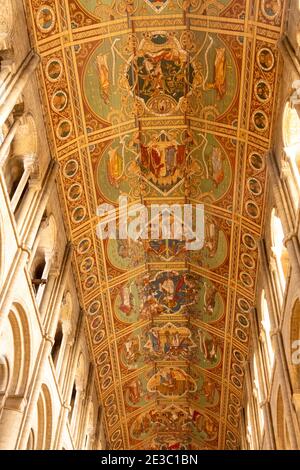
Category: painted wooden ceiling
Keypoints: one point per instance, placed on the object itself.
(163, 101)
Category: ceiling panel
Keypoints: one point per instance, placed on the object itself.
(164, 101)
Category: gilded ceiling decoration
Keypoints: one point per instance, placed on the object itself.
(163, 101)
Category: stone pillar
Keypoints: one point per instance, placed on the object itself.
(46, 350)
(7, 69)
(49, 289)
(89, 397)
(288, 173)
(296, 403)
(262, 383)
(291, 239)
(14, 93)
(288, 54)
(279, 348)
(29, 240)
(77, 411)
(11, 418)
(253, 417)
(65, 361)
(4, 149)
(69, 384)
(63, 350)
(28, 164)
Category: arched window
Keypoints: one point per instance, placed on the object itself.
(15, 354)
(280, 255)
(266, 325)
(43, 256)
(258, 396)
(6, 23)
(295, 348)
(249, 428)
(291, 141)
(76, 397)
(62, 334)
(57, 342)
(18, 160)
(31, 441)
(44, 420)
(280, 422)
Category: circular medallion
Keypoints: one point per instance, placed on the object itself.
(246, 279)
(235, 400)
(70, 168)
(241, 335)
(113, 420)
(232, 420)
(99, 336)
(244, 305)
(249, 241)
(236, 381)
(64, 129)
(254, 186)
(45, 19)
(238, 356)
(94, 307)
(252, 210)
(116, 435)
(105, 370)
(260, 121)
(106, 383)
(90, 282)
(59, 101)
(78, 214)
(87, 264)
(102, 358)
(248, 261)
(54, 70)
(263, 91)
(265, 59)
(231, 436)
(108, 402)
(243, 321)
(271, 8)
(74, 192)
(84, 246)
(111, 410)
(96, 323)
(256, 161)
(238, 370)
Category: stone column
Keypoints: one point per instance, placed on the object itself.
(4, 149)
(89, 397)
(296, 403)
(291, 239)
(253, 417)
(11, 418)
(288, 54)
(28, 164)
(66, 332)
(77, 411)
(69, 384)
(46, 350)
(288, 172)
(279, 348)
(7, 69)
(65, 362)
(25, 249)
(10, 100)
(262, 382)
(49, 289)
